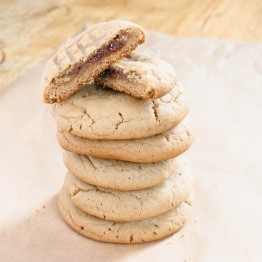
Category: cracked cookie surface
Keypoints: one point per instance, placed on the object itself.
(119, 175)
(98, 113)
(124, 232)
(159, 147)
(139, 75)
(116, 205)
(83, 57)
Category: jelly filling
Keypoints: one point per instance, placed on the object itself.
(113, 47)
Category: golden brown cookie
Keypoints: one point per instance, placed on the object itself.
(86, 55)
(140, 76)
(124, 232)
(120, 175)
(144, 150)
(131, 205)
(97, 113)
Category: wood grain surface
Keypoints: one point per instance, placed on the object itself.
(31, 30)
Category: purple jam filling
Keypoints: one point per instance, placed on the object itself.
(113, 47)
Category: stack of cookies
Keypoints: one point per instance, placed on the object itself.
(122, 122)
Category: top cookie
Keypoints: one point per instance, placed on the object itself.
(140, 76)
(86, 55)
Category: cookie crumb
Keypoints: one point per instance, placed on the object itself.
(182, 236)
(43, 206)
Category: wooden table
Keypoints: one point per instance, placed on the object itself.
(32, 30)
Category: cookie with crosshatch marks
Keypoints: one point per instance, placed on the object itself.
(139, 75)
(86, 55)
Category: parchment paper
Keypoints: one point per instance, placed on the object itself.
(224, 83)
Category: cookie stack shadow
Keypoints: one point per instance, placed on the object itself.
(126, 181)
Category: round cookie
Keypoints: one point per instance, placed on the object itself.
(146, 150)
(116, 205)
(102, 113)
(119, 175)
(87, 54)
(124, 232)
(140, 76)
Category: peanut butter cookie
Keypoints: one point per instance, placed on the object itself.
(84, 56)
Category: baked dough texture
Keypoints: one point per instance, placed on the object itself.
(98, 113)
(124, 232)
(122, 121)
(139, 75)
(117, 174)
(116, 205)
(84, 56)
(160, 147)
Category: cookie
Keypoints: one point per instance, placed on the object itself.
(124, 232)
(119, 175)
(140, 76)
(86, 55)
(145, 150)
(117, 205)
(98, 113)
